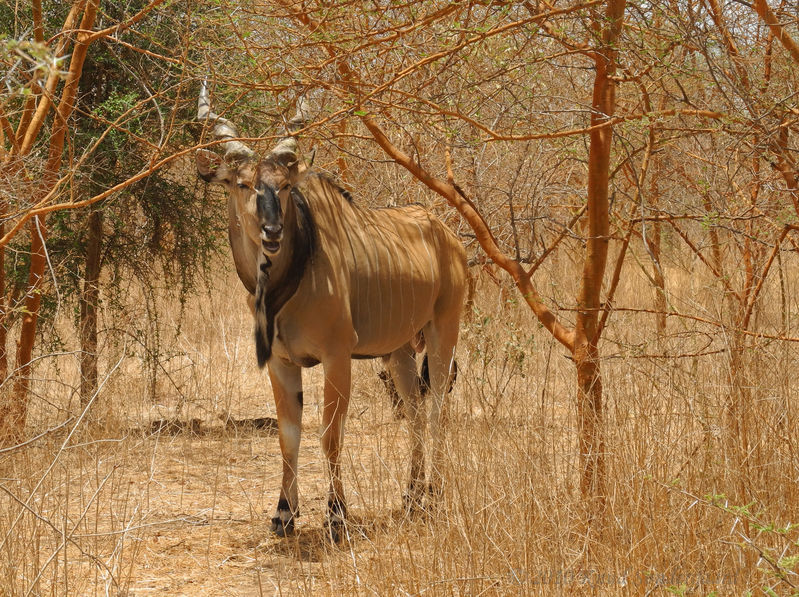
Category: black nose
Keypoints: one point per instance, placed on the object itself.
(272, 230)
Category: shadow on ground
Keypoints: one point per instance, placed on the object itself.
(265, 425)
(309, 543)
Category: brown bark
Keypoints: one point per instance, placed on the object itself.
(343, 168)
(38, 29)
(736, 411)
(764, 11)
(715, 245)
(738, 396)
(13, 418)
(31, 123)
(590, 427)
(88, 309)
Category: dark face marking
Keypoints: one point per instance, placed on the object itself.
(270, 217)
(299, 398)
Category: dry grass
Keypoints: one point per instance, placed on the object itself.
(107, 508)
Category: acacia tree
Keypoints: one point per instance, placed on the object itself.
(111, 131)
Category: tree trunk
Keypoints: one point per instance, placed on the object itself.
(590, 421)
(15, 407)
(591, 430)
(88, 309)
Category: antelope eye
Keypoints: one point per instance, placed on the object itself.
(243, 185)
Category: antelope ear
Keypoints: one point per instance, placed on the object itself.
(289, 160)
(301, 168)
(212, 168)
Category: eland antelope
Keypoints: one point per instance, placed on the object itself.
(330, 281)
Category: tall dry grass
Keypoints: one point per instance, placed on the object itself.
(101, 505)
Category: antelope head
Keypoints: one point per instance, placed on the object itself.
(259, 187)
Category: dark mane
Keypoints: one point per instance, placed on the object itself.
(272, 293)
(332, 181)
(305, 222)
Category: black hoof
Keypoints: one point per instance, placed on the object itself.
(335, 531)
(283, 521)
(282, 529)
(334, 525)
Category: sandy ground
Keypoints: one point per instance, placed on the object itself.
(205, 501)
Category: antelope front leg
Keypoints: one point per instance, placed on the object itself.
(337, 396)
(287, 388)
